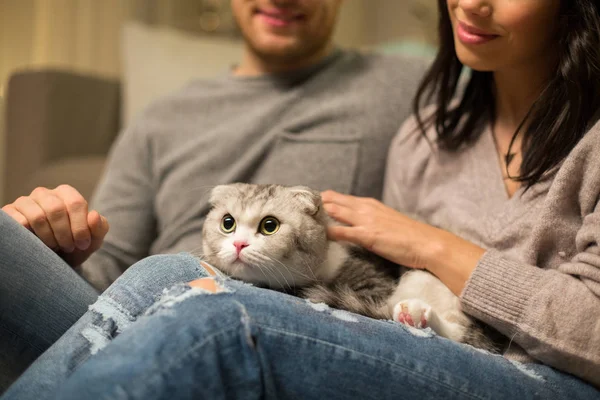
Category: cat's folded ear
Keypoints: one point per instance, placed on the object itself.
(220, 192)
(309, 198)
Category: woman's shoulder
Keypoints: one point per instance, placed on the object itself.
(590, 143)
(584, 159)
(577, 178)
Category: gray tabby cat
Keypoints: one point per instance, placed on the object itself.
(275, 236)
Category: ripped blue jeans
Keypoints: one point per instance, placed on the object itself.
(151, 336)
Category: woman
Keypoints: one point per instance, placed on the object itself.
(506, 173)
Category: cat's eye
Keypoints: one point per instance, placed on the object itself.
(228, 224)
(269, 226)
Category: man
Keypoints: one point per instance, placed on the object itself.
(296, 110)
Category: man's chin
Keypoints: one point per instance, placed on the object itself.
(280, 48)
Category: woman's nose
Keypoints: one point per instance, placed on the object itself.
(479, 8)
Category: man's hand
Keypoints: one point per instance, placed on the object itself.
(60, 218)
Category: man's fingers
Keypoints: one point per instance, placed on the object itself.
(37, 220)
(57, 215)
(77, 209)
(98, 224)
(99, 228)
(16, 215)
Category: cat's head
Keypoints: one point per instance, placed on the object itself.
(266, 234)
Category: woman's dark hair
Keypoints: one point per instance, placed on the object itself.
(558, 119)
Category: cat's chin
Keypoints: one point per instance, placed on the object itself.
(241, 270)
(257, 276)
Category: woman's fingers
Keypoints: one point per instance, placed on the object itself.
(352, 234)
(330, 196)
(340, 213)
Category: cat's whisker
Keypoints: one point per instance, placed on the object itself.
(272, 268)
(262, 269)
(296, 271)
(314, 277)
(269, 262)
(271, 271)
(200, 253)
(259, 262)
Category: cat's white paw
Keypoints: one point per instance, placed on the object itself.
(412, 312)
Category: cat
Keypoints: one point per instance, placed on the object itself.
(275, 236)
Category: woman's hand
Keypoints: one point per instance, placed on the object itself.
(400, 239)
(60, 218)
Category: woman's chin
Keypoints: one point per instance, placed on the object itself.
(476, 62)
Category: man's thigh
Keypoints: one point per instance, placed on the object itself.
(40, 298)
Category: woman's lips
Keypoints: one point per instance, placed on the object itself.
(471, 35)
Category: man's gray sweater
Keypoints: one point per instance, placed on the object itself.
(328, 127)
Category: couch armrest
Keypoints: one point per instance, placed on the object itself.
(52, 115)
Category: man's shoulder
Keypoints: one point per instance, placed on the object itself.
(394, 76)
(195, 92)
(193, 89)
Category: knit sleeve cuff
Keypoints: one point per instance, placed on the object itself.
(499, 290)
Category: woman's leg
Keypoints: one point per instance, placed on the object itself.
(40, 298)
(229, 340)
(113, 312)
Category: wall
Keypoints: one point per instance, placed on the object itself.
(393, 19)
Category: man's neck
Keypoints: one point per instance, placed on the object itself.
(254, 65)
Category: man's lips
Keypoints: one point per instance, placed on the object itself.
(279, 17)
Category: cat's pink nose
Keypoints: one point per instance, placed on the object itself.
(239, 245)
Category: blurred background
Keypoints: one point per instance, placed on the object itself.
(66, 63)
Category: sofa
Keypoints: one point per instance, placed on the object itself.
(59, 127)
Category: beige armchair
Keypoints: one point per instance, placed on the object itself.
(59, 127)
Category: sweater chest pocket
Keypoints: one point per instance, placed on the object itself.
(320, 161)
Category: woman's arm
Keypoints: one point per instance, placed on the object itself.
(554, 315)
(400, 239)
